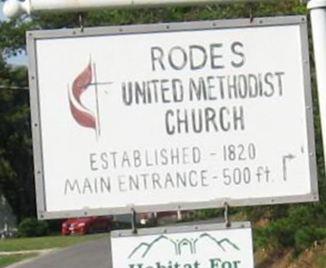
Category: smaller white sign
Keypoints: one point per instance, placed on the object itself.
(206, 246)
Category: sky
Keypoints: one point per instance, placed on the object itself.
(19, 60)
(2, 17)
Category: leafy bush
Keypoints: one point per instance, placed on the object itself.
(305, 237)
(303, 226)
(278, 234)
(31, 227)
(54, 227)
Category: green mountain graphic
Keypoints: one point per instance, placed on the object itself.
(185, 244)
(219, 243)
(146, 247)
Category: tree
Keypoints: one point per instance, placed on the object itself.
(16, 177)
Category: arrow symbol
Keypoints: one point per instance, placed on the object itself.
(285, 159)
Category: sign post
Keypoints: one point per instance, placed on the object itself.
(172, 116)
(318, 24)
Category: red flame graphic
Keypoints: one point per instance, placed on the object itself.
(80, 112)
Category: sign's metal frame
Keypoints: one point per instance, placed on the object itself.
(32, 38)
(180, 229)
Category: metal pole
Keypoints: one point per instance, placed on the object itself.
(318, 23)
(14, 8)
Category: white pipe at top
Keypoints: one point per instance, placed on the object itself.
(318, 24)
(15, 7)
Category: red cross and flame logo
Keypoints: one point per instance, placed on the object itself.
(85, 81)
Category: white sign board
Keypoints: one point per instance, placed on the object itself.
(209, 246)
(172, 116)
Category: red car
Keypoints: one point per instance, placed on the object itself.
(86, 225)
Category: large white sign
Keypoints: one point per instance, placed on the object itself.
(172, 116)
(208, 246)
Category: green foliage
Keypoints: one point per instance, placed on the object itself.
(277, 234)
(16, 164)
(38, 243)
(31, 227)
(306, 236)
(54, 226)
(204, 214)
(303, 226)
(321, 261)
(7, 260)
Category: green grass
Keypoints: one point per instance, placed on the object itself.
(321, 261)
(7, 260)
(45, 242)
(37, 243)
